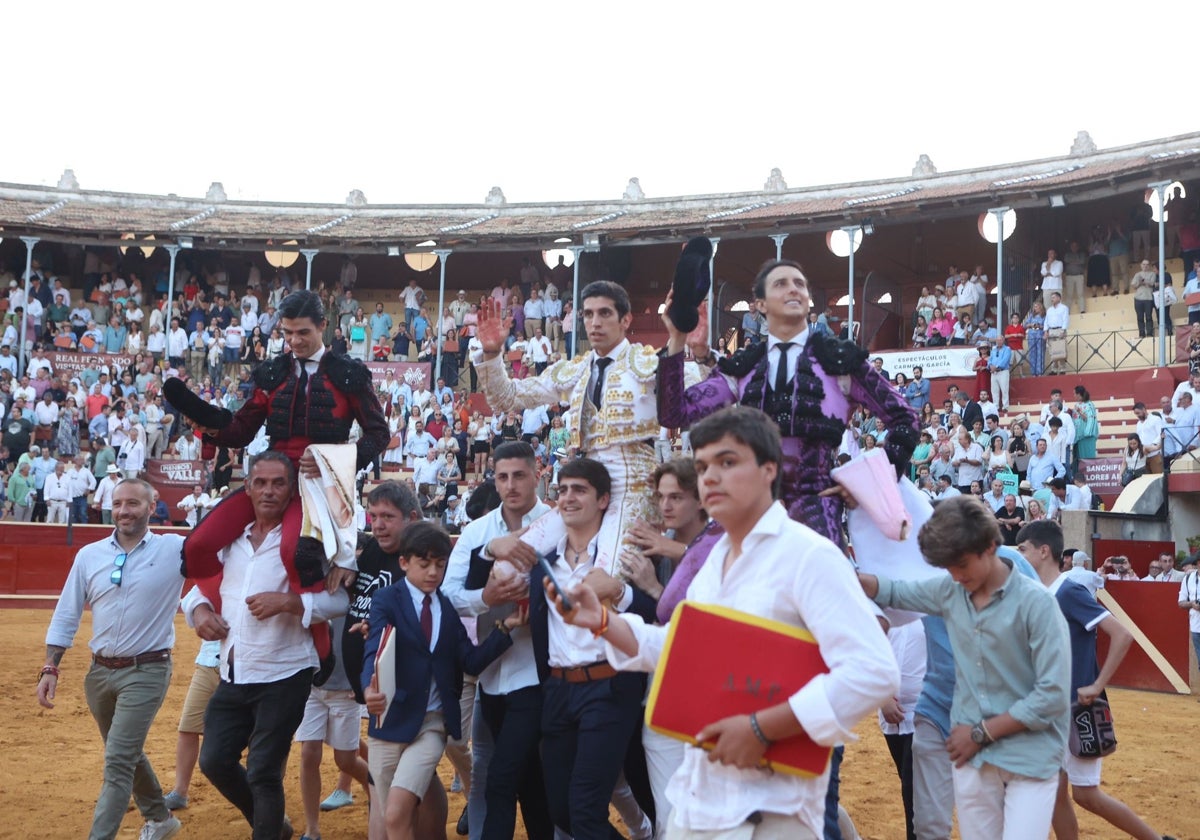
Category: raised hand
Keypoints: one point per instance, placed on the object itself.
(493, 327)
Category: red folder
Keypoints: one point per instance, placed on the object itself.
(719, 662)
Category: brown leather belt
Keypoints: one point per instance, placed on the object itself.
(585, 673)
(115, 662)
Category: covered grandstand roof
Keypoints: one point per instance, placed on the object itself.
(68, 214)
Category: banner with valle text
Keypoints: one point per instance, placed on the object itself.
(175, 479)
(935, 362)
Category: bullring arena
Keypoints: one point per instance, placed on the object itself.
(908, 232)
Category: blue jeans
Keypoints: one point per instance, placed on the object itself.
(409, 315)
(124, 702)
(79, 510)
(1196, 645)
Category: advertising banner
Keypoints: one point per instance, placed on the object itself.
(175, 479)
(935, 362)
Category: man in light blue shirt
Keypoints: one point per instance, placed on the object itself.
(1012, 661)
(1000, 364)
(132, 582)
(381, 324)
(1043, 467)
(1191, 287)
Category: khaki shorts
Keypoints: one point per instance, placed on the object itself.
(408, 766)
(332, 717)
(204, 682)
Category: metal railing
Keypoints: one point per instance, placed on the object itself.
(1107, 350)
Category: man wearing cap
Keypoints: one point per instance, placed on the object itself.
(459, 307)
(103, 499)
(454, 517)
(131, 581)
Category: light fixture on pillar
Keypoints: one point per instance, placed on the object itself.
(1058, 200)
(393, 250)
(551, 257)
(147, 250)
(282, 259)
(591, 242)
(843, 242)
(868, 226)
(420, 260)
(185, 242)
(1156, 197)
(996, 225)
(563, 240)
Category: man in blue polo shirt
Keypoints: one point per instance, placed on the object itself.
(1000, 364)
(1041, 544)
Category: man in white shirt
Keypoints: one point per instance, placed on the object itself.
(118, 426)
(1064, 496)
(1163, 569)
(507, 726)
(177, 344)
(57, 493)
(1081, 572)
(267, 654)
(82, 483)
(539, 349)
(772, 567)
(1189, 599)
(45, 412)
(413, 298)
(1058, 321)
(425, 473)
(1191, 385)
(534, 422)
(995, 498)
(1182, 430)
(1052, 273)
(187, 447)
(131, 581)
(534, 313)
(103, 499)
(1149, 431)
(590, 711)
(459, 307)
(418, 444)
(195, 505)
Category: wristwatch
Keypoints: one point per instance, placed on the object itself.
(980, 735)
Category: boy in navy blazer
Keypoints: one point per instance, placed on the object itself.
(407, 732)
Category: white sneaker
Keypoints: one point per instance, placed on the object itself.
(160, 830)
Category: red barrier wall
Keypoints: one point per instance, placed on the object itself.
(35, 559)
(1154, 608)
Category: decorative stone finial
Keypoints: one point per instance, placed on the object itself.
(216, 192)
(1083, 145)
(775, 182)
(68, 181)
(495, 196)
(924, 166)
(633, 191)
(356, 198)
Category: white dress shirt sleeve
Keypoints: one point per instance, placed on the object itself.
(324, 606)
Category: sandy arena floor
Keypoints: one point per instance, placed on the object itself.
(53, 759)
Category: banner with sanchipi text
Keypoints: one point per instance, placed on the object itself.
(1103, 477)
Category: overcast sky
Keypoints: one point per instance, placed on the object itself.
(438, 102)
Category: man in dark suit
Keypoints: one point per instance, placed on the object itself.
(969, 409)
(590, 711)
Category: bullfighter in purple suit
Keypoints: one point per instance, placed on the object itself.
(821, 378)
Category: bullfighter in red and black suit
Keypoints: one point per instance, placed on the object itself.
(307, 396)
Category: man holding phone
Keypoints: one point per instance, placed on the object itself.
(590, 710)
